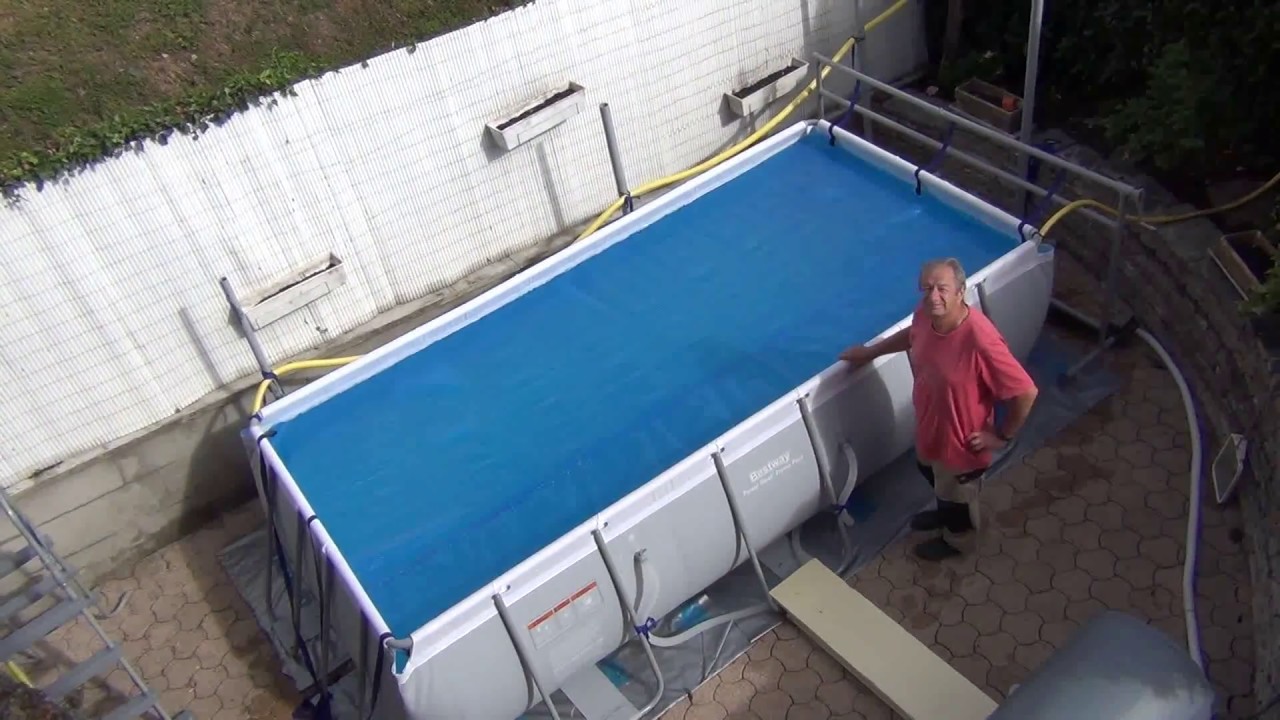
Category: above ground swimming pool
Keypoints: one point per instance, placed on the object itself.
(623, 386)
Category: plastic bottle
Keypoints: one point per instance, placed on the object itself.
(614, 672)
(690, 614)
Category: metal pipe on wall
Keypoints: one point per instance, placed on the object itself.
(259, 355)
(615, 156)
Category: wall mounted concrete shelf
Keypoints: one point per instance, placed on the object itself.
(302, 287)
(537, 117)
(747, 100)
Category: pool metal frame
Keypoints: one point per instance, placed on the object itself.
(1125, 193)
(270, 470)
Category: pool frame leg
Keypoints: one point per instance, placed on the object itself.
(822, 99)
(324, 576)
(736, 512)
(361, 657)
(828, 486)
(271, 548)
(630, 614)
(522, 652)
(295, 605)
(983, 305)
(819, 451)
(1108, 281)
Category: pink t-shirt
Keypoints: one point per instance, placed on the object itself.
(959, 378)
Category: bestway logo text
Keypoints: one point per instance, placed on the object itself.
(769, 467)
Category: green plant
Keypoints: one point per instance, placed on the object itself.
(1171, 123)
(1265, 301)
(1187, 86)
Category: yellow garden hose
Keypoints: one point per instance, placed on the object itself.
(746, 142)
(18, 673)
(260, 397)
(1156, 219)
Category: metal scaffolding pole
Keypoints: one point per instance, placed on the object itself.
(980, 130)
(1029, 87)
(1126, 195)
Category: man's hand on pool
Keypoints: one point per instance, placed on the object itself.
(857, 356)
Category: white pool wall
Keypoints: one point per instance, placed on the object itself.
(682, 508)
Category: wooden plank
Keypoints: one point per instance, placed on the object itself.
(908, 676)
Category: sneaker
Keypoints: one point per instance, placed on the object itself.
(936, 550)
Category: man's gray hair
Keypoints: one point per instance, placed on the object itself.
(952, 263)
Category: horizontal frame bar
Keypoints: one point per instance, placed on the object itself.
(966, 158)
(986, 132)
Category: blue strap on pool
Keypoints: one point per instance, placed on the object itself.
(853, 103)
(1035, 213)
(648, 627)
(936, 160)
(848, 112)
(1041, 206)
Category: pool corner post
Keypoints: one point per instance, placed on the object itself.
(817, 87)
(1029, 90)
(858, 63)
(615, 157)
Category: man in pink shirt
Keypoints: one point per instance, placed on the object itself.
(962, 368)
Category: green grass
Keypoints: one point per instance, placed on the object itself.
(80, 79)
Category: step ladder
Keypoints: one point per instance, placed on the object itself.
(55, 581)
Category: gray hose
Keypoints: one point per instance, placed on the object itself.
(1196, 481)
(715, 622)
(682, 637)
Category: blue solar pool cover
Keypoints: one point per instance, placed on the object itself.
(447, 469)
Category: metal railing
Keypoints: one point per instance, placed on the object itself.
(1126, 194)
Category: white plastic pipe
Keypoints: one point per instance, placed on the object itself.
(1193, 500)
(1196, 486)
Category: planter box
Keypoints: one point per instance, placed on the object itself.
(991, 104)
(303, 287)
(1245, 258)
(537, 117)
(747, 100)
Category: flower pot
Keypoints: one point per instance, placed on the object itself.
(991, 104)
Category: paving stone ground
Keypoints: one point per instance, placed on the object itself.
(1094, 520)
